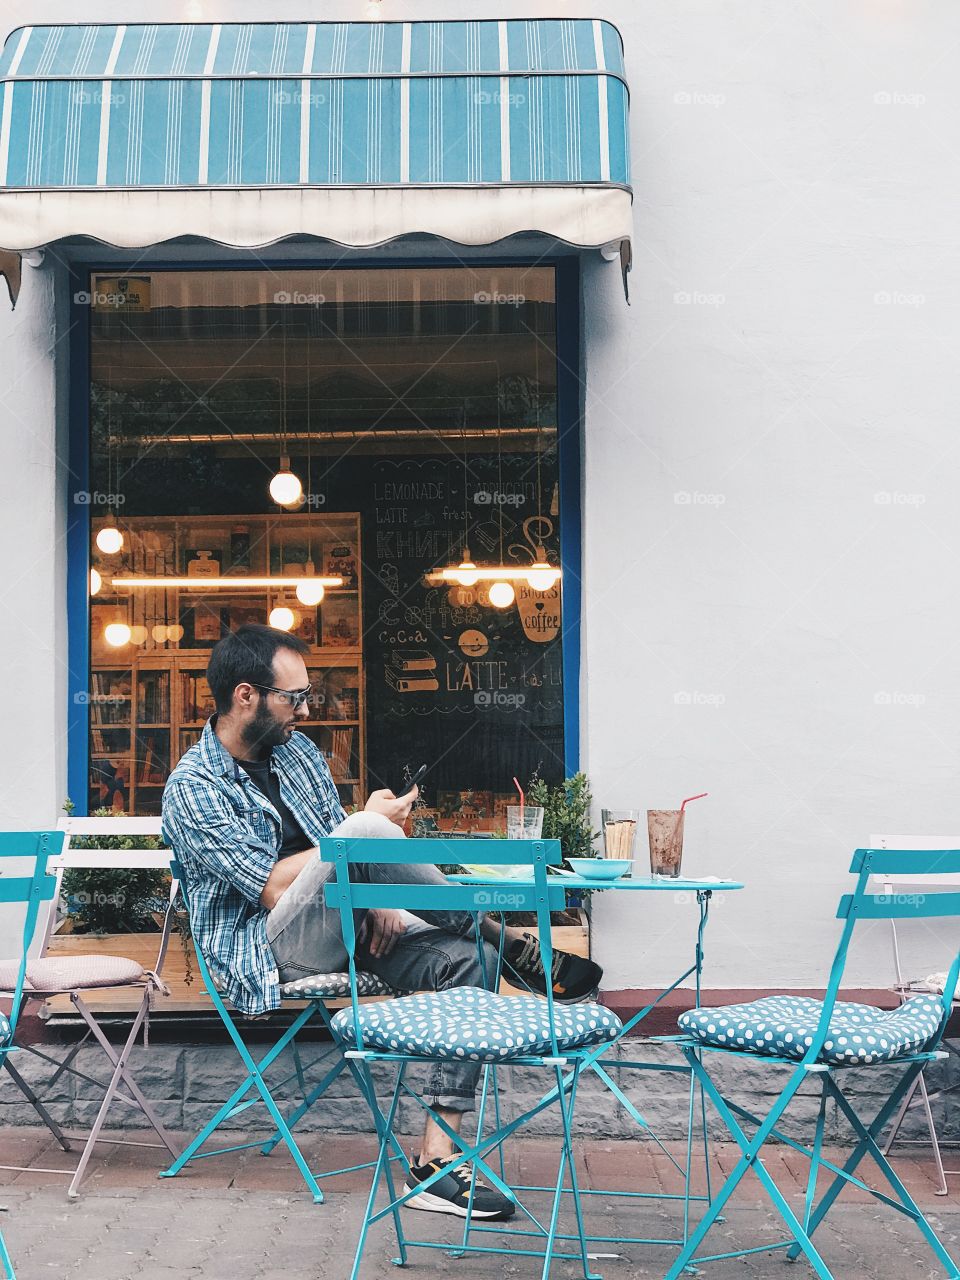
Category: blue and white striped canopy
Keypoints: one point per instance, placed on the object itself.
(530, 115)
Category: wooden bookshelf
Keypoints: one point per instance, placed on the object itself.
(149, 699)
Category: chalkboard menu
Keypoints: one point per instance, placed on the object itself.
(472, 690)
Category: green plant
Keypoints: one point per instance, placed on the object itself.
(102, 901)
(566, 813)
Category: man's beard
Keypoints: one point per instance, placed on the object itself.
(264, 732)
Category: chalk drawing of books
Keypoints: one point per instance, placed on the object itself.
(413, 671)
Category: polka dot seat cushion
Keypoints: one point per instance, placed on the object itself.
(334, 986)
(4, 1028)
(784, 1026)
(468, 1022)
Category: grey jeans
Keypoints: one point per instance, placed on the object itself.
(434, 954)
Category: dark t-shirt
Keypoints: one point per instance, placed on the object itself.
(294, 838)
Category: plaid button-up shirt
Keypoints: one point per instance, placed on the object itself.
(226, 834)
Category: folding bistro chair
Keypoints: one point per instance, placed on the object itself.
(316, 990)
(905, 988)
(820, 1040)
(72, 975)
(33, 889)
(465, 1022)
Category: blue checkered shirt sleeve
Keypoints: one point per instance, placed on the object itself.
(204, 829)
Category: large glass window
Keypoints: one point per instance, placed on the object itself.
(417, 408)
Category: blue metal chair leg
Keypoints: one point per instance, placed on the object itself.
(313, 1096)
(382, 1163)
(811, 1191)
(255, 1078)
(566, 1114)
(856, 1156)
(751, 1149)
(910, 1206)
(5, 1259)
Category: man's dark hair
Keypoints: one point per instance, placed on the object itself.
(246, 656)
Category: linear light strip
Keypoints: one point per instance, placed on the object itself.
(492, 573)
(288, 581)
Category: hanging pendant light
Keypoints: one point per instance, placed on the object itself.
(109, 537)
(285, 488)
(283, 618)
(311, 590)
(96, 582)
(541, 575)
(466, 572)
(117, 634)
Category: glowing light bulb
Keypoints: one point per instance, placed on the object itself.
(285, 488)
(96, 582)
(110, 540)
(467, 574)
(282, 618)
(542, 577)
(116, 634)
(502, 595)
(138, 635)
(310, 593)
(175, 632)
(159, 633)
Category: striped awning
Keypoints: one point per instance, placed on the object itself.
(355, 133)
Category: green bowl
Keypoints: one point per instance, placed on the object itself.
(600, 868)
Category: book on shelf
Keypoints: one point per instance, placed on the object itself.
(197, 700)
(153, 697)
(339, 752)
(151, 763)
(110, 700)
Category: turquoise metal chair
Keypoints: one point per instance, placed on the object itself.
(316, 990)
(33, 889)
(506, 1031)
(820, 1041)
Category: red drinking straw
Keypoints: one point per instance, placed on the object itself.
(520, 789)
(689, 798)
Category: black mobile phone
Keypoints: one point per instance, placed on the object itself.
(414, 782)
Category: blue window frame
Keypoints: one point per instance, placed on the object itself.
(569, 428)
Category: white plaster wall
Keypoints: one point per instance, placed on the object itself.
(797, 178)
(33, 671)
(760, 623)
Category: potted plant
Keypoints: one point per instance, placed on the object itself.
(106, 905)
(566, 814)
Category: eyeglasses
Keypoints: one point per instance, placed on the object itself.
(296, 698)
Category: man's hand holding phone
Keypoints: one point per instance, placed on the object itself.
(396, 808)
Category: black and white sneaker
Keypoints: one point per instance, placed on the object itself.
(451, 1193)
(573, 979)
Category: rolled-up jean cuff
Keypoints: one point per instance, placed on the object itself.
(451, 1101)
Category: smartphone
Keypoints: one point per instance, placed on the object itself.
(414, 782)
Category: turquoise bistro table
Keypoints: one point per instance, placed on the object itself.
(686, 892)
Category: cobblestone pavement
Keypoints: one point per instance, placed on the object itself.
(243, 1217)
